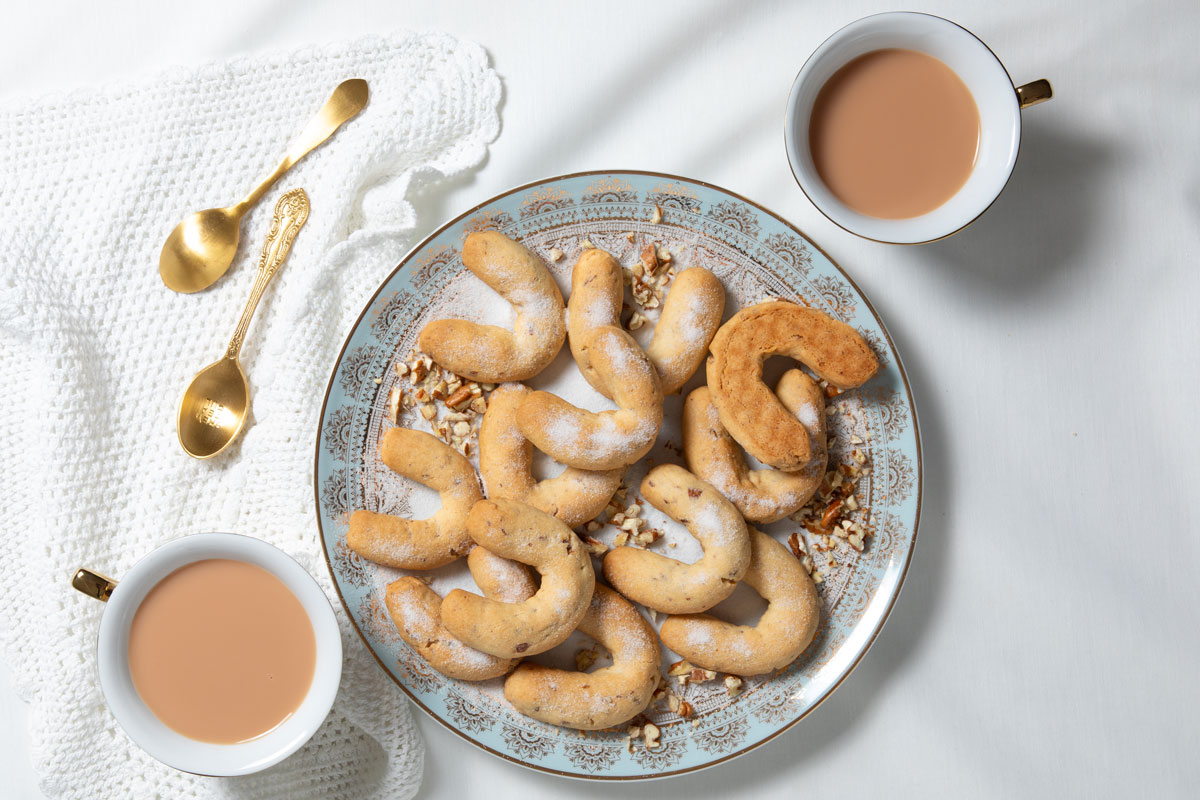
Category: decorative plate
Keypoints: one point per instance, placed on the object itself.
(756, 255)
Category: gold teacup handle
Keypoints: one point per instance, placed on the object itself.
(1030, 94)
(93, 584)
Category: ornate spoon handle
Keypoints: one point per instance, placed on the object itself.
(291, 212)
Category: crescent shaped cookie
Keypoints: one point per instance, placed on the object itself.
(762, 495)
(597, 289)
(690, 317)
(419, 543)
(671, 586)
(783, 632)
(510, 630)
(505, 462)
(751, 413)
(606, 697)
(605, 439)
(417, 611)
(489, 353)
(500, 578)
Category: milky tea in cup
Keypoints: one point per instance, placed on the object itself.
(221, 651)
(894, 133)
(218, 654)
(904, 127)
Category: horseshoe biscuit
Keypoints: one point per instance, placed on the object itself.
(606, 439)
(500, 578)
(417, 611)
(606, 697)
(752, 414)
(597, 289)
(690, 317)
(419, 543)
(783, 632)
(505, 457)
(762, 495)
(489, 353)
(671, 586)
(519, 532)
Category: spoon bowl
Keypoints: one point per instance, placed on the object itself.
(216, 403)
(200, 249)
(214, 408)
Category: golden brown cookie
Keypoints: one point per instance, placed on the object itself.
(520, 532)
(672, 586)
(500, 578)
(605, 439)
(606, 697)
(417, 611)
(752, 414)
(505, 462)
(783, 632)
(419, 543)
(489, 353)
(762, 495)
(690, 317)
(597, 289)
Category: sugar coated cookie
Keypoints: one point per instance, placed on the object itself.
(690, 317)
(595, 302)
(520, 532)
(762, 495)
(672, 586)
(505, 462)
(489, 353)
(605, 439)
(419, 543)
(783, 632)
(417, 611)
(606, 697)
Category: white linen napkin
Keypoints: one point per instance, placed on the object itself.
(95, 353)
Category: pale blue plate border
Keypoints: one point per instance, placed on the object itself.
(789, 263)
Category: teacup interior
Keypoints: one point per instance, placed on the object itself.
(146, 729)
(972, 61)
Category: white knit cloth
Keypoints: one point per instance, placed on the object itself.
(95, 352)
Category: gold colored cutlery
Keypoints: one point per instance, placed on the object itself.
(215, 406)
(201, 248)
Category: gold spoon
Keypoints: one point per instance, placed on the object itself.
(215, 405)
(201, 248)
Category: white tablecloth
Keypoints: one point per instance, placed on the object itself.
(1046, 638)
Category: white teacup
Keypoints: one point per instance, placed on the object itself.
(140, 723)
(999, 105)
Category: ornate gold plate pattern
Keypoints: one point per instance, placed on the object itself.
(756, 255)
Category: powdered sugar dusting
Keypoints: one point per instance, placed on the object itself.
(710, 522)
(414, 617)
(809, 416)
(423, 502)
(563, 431)
(474, 300)
(699, 637)
(699, 307)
